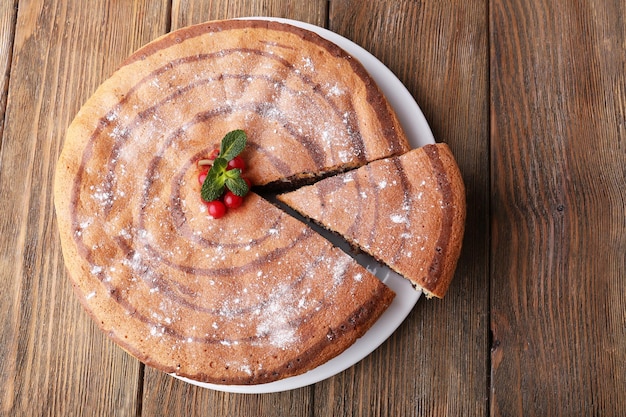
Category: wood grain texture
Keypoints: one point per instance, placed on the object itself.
(166, 396)
(55, 361)
(189, 12)
(440, 52)
(8, 16)
(558, 204)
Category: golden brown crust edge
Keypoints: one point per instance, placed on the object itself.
(452, 189)
(356, 325)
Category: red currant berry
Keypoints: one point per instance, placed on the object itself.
(237, 162)
(202, 175)
(248, 182)
(216, 209)
(232, 200)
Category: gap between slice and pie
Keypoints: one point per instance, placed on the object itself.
(408, 212)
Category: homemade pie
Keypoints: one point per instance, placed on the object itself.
(255, 296)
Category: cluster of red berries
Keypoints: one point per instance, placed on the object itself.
(228, 200)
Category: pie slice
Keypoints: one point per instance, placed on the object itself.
(407, 212)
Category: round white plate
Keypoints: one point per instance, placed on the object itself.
(419, 134)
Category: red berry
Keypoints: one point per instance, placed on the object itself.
(216, 209)
(232, 200)
(248, 182)
(202, 175)
(237, 162)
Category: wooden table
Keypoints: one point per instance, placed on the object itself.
(531, 97)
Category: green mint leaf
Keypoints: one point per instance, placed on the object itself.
(213, 185)
(219, 176)
(219, 166)
(233, 143)
(233, 173)
(237, 185)
(211, 190)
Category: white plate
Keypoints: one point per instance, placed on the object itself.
(419, 134)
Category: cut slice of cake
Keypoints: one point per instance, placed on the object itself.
(408, 212)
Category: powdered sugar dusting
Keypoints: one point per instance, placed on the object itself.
(275, 322)
(398, 218)
(339, 270)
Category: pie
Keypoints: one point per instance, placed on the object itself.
(253, 297)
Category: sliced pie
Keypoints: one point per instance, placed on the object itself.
(407, 212)
(255, 296)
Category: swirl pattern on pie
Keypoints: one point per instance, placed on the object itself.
(256, 296)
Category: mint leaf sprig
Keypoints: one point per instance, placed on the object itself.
(219, 176)
(232, 144)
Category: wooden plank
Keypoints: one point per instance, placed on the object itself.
(436, 363)
(559, 231)
(189, 12)
(54, 360)
(164, 395)
(8, 16)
